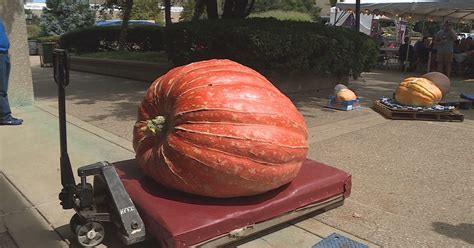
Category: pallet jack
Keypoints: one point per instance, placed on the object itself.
(107, 201)
(121, 194)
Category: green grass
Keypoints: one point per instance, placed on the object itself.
(284, 15)
(157, 57)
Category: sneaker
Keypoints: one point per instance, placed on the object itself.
(10, 120)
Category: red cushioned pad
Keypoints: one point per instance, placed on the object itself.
(178, 219)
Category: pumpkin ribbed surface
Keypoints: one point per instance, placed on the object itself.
(416, 91)
(217, 128)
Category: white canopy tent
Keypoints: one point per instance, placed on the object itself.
(338, 18)
(455, 10)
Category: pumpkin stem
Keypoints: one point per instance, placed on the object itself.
(157, 125)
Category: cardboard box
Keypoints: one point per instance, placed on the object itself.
(343, 105)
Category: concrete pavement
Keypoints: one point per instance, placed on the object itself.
(413, 181)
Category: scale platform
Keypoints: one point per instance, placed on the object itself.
(177, 219)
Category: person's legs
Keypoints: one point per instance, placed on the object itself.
(4, 76)
(402, 65)
(414, 64)
(439, 60)
(5, 113)
(448, 61)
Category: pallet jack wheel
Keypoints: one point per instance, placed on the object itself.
(75, 222)
(88, 233)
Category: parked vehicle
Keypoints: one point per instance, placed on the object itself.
(463, 35)
(131, 22)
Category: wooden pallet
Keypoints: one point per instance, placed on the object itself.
(459, 103)
(397, 114)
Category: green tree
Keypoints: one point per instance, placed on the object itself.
(315, 13)
(59, 18)
(304, 6)
(209, 5)
(147, 10)
(32, 18)
(125, 6)
(188, 11)
(242, 8)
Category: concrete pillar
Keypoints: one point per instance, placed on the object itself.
(20, 92)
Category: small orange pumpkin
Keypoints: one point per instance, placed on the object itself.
(415, 91)
(343, 93)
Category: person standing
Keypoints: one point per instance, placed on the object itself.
(444, 42)
(6, 117)
(421, 49)
(406, 55)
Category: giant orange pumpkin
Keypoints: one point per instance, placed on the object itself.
(416, 91)
(217, 128)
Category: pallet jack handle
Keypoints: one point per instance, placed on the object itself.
(61, 77)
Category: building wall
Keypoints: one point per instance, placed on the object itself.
(20, 92)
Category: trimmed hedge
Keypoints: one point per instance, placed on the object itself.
(265, 44)
(269, 44)
(96, 39)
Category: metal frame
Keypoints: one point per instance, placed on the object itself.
(81, 197)
(253, 231)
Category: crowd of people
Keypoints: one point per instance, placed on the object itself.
(445, 47)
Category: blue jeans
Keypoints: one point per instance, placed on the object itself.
(4, 76)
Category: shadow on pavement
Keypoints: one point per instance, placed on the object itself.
(463, 231)
(111, 96)
(21, 225)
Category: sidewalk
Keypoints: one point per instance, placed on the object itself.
(30, 179)
(412, 180)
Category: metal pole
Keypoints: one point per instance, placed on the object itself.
(423, 28)
(407, 62)
(61, 76)
(429, 62)
(357, 16)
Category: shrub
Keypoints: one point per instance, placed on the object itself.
(96, 39)
(33, 31)
(268, 44)
(59, 18)
(264, 44)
